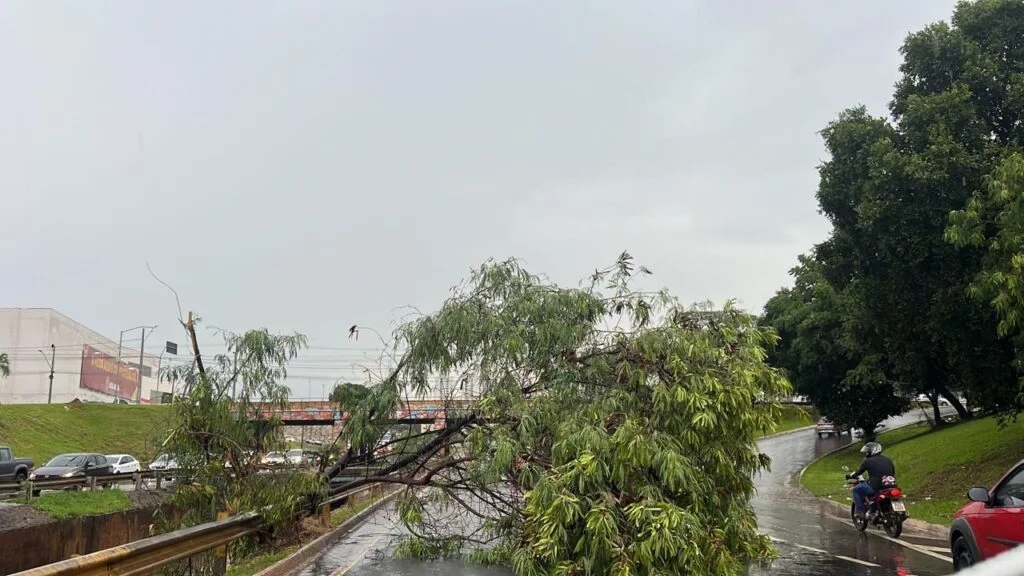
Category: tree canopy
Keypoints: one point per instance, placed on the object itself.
(888, 189)
(606, 434)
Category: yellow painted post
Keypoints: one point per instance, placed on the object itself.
(220, 561)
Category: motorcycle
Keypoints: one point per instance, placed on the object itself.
(884, 509)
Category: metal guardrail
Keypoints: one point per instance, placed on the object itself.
(147, 555)
(77, 481)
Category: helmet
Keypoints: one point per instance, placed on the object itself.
(871, 449)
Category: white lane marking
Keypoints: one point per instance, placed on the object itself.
(818, 550)
(914, 547)
(939, 549)
(344, 568)
(862, 562)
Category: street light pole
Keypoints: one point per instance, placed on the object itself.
(51, 362)
(120, 341)
(117, 378)
(142, 348)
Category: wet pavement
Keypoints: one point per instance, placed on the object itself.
(811, 537)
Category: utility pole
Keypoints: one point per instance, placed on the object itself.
(51, 362)
(142, 348)
(117, 379)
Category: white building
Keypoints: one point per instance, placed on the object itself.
(84, 362)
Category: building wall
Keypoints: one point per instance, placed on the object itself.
(26, 331)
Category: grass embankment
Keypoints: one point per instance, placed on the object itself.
(934, 467)
(794, 417)
(41, 431)
(74, 504)
(256, 564)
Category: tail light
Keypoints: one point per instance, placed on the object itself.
(896, 492)
(882, 496)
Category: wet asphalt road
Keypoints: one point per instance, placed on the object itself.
(811, 537)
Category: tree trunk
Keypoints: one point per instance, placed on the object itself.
(961, 411)
(936, 412)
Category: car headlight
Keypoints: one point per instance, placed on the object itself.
(32, 476)
(68, 475)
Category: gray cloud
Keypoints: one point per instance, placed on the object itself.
(309, 165)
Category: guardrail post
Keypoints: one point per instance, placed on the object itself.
(138, 482)
(325, 514)
(220, 553)
(159, 478)
(91, 483)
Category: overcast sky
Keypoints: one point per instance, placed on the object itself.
(312, 165)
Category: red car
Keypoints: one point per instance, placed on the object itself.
(991, 523)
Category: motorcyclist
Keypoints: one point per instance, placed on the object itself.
(878, 467)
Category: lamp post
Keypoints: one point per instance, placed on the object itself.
(120, 340)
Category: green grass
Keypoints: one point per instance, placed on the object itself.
(794, 417)
(74, 504)
(41, 431)
(934, 467)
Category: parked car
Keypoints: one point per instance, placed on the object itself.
(124, 464)
(991, 523)
(164, 462)
(73, 465)
(274, 459)
(14, 469)
(296, 457)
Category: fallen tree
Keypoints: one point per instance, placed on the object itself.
(604, 434)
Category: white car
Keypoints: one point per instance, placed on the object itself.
(296, 457)
(164, 462)
(274, 459)
(123, 464)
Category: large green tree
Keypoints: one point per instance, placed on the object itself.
(819, 357)
(994, 220)
(889, 186)
(607, 434)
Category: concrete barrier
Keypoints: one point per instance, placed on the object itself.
(41, 544)
(307, 553)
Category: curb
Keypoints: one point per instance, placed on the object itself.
(304, 554)
(783, 433)
(920, 526)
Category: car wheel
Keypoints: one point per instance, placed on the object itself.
(20, 477)
(962, 555)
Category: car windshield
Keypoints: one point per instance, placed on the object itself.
(294, 453)
(275, 455)
(67, 460)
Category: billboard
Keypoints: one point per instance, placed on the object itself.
(100, 373)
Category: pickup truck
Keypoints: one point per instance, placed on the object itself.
(13, 469)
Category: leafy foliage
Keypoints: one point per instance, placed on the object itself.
(226, 417)
(605, 434)
(822, 363)
(5, 366)
(995, 222)
(888, 189)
